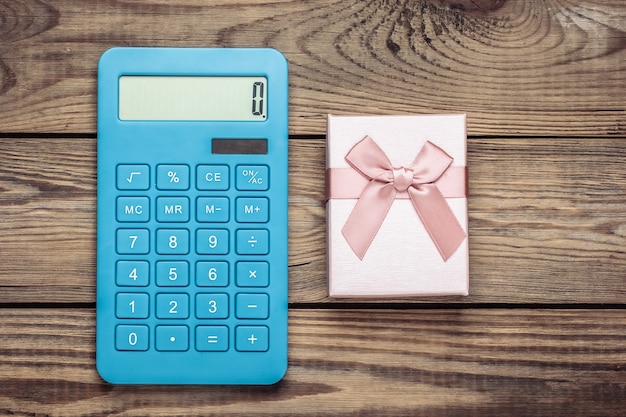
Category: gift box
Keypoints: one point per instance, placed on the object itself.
(397, 206)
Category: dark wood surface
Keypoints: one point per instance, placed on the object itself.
(543, 332)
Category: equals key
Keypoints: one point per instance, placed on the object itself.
(212, 338)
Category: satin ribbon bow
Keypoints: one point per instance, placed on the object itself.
(385, 182)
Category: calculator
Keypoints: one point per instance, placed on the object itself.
(192, 216)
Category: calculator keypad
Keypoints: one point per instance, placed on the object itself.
(182, 300)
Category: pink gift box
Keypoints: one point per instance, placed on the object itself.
(397, 206)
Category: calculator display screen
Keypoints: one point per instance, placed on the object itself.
(192, 98)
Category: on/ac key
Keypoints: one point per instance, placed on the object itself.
(252, 177)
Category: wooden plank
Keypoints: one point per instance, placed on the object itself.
(517, 68)
(47, 219)
(547, 221)
(347, 362)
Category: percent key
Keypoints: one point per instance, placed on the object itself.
(172, 177)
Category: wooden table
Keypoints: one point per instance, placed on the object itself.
(543, 83)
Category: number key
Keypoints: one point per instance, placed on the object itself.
(212, 274)
(131, 337)
(133, 241)
(172, 274)
(212, 242)
(132, 306)
(132, 273)
(172, 241)
(212, 306)
(172, 306)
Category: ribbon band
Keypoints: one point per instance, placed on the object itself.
(346, 183)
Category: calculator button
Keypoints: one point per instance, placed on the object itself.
(252, 210)
(172, 209)
(132, 273)
(172, 241)
(133, 209)
(252, 274)
(172, 177)
(131, 306)
(211, 306)
(172, 306)
(212, 241)
(133, 241)
(252, 306)
(212, 338)
(252, 338)
(172, 338)
(131, 337)
(172, 274)
(253, 242)
(212, 177)
(133, 177)
(252, 177)
(212, 274)
(212, 209)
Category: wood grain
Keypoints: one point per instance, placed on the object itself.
(547, 221)
(534, 68)
(542, 82)
(347, 362)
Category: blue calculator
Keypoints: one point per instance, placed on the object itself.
(192, 216)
